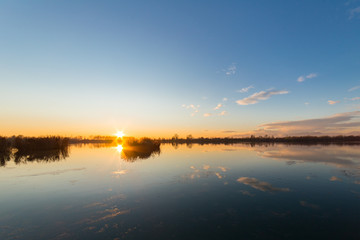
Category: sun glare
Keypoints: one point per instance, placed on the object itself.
(119, 148)
(120, 134)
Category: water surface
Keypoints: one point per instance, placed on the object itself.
(185, 192)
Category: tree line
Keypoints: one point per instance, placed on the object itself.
(265, 139)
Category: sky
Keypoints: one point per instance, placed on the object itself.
(156, 68)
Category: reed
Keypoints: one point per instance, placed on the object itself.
(22, 149)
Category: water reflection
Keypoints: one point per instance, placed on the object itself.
(119, 148)
(206, 192)
(260, 185)
(203, 172)
(336, 155)
(21, 157)
(127, 153)
(339, 155)
(133, 153)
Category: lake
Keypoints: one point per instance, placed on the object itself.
(240, 191)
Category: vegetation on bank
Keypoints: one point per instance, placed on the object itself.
(226, 140)
(21, 143)
(23, 149)
(265, 139)
(132, 149)
(131, 141)
(93, 139)
(53, 142)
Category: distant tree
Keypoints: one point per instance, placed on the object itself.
(175, 137)
(189, 137)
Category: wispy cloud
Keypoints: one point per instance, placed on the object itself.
(263, 95)
(218, 106)
(331, 102)
(229, 131)
(309, 76)
(301, 79)
(216, 113)
(195, 109)
(262, 186)
(354, 12)
(246, 89)
(355, 98)
(333, 125)
(354, 88)
(231, 70)
(223, 113)
(225, 99)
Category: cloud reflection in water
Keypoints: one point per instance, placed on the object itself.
(262, 186)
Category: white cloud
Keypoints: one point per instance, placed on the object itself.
(195, 109)
(207, 114)
(223, 113)
(354, 88)
(246, 89)
(218, 106)
(231, 70)
(354, 12)
(309, 76)
(355, 98)
(331, 102)
(301, 79)
(333, 125)
(263, 95)
(225, 99)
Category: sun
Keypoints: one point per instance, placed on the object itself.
(120, 134)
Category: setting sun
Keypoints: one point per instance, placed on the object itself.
(120, 134)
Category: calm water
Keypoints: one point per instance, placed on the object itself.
(202, 192)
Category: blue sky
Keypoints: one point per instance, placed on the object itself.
(160, 67)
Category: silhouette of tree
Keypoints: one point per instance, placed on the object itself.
(175, 137)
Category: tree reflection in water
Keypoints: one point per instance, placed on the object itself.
(133, 153)
(20, 157)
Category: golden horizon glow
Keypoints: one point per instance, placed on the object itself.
(120, 134)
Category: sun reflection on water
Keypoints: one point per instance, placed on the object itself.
(119, 148)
